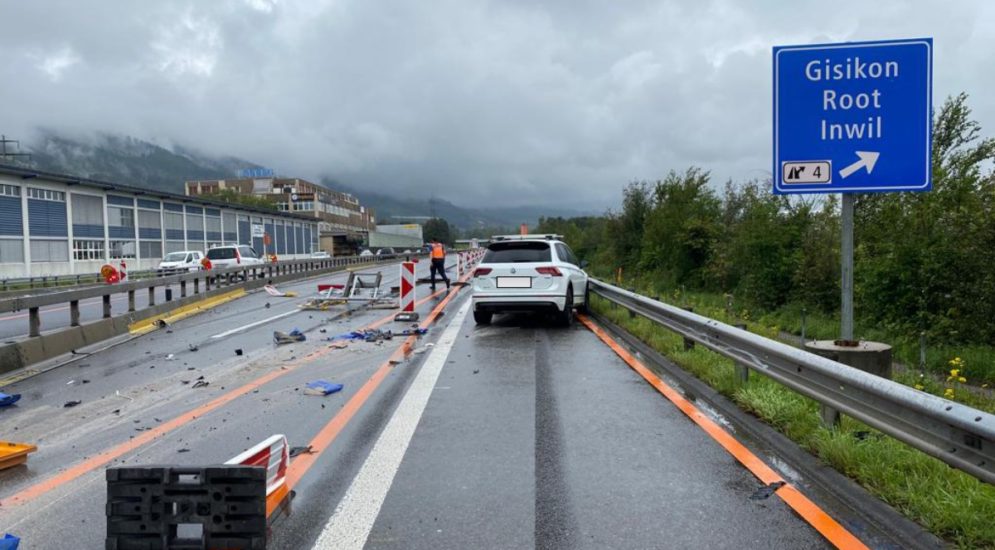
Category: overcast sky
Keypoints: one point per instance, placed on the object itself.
(481, 102)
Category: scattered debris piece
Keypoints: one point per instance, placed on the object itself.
(200, 384)
(238, 351)
(406, 316)
(339, 345)
(193, 347)
(161, 323)
(85, 381)
(475, 371)
(766, 491)
(170, 357)
(294, 451)
(184, 382)
(71, 382)
(321, 387)
(8, 400)
(369, 335)
(116, 411)
(272, 291)
(70, 404)
(322, 331)
(9, 542)
(267, 305)
(393, 362)
(413, 331)
(184, 450)
(288, 338)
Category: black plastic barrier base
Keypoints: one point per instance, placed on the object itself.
(186, 508)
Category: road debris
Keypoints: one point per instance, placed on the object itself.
(9, 542)
(288, 338)
(193, 347)
(8, 400)
(170, 357)
(294, 451)
(184, 450)
(766, 491)
(161, 323)
(238, 351)
(322, 388)
(369, 335)
(70, 404)
(200, 384)
(273, 291)
(13, 454)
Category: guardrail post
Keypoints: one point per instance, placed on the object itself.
(74, 313)
(196, 286)
(207, 283)
(183, 289)
(131, 300)
(741, 371)
(34, 322)
(151, 296)
(688, 343)
(107, 305)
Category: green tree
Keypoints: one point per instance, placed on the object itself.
(438, 228)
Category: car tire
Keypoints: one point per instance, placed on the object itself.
(583, 308)
(565, 318)
(482, 317)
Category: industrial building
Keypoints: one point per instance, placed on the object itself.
(343, 223)
(56, 224)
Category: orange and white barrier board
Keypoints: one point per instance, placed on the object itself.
(274, 455)
(407, 286)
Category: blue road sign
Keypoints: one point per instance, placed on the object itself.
(853, 117)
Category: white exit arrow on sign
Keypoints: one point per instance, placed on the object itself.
(867, 159)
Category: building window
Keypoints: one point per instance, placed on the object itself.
(85, 250)
(122, 249)
(174, 246)
(120, 217)
(46, 194)
(10, 190)
(49, 251)
(150, 249)
(11, 251)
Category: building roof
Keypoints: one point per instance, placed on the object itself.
(29, 173)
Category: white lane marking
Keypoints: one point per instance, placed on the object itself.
(256, 324)
(350, 525)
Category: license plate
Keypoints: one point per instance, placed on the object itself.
(514, 282)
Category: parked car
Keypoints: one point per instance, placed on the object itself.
(320, 255)
(233, 255)
(366, 252)
(529, 273)
(386, 252)
(183, 260)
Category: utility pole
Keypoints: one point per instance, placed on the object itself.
(11, 156)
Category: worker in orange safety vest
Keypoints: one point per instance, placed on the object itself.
(437, 253)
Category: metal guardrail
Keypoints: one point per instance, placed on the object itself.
(961, 436)
(209, 279)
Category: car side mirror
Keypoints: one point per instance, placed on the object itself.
(584, 263)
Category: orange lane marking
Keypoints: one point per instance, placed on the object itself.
(324, 438)
(105, 457)
(808, 510)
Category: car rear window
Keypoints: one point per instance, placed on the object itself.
(221, 254)
(517, 252)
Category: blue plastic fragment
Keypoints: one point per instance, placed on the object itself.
(9, 542)
(6, 401)
(322, 387)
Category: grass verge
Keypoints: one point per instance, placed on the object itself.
(947, 502)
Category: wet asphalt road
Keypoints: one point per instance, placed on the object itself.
(533, 437)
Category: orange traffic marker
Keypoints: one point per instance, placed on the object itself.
(13, 454)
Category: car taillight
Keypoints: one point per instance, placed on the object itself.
(549, 270)
(481, 271)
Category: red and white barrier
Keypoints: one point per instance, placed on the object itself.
(274, 455)
(407, 286)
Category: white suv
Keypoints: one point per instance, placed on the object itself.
(233, 256)
(529, 273)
